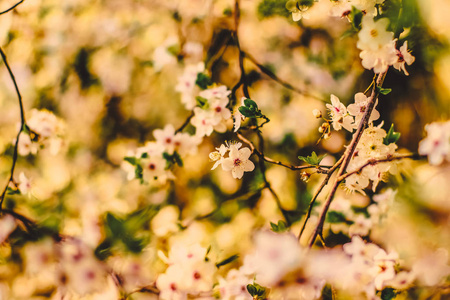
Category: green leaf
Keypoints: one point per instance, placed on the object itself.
(280, 227)
(383, 91)
(11, 191)
(138, 173)
(251, 104)
(202, 102)
(226, 261)
(115, 226)
(388, 294)
(356, 18)
(173, 159)
(203, 81)
(257, 291)
(134, 245)
(392, 136)
(336, 217)
(103, 251)
(246, 112)
(313, 159)
(132, 160)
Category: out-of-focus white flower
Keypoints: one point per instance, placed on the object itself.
(361, 226)
(238, 161)
(404, 57)
(234, 286)
(162, 55)
(437, 143)
(46, 130)
(7, 225)
(166, 221)
(218, 156)
(432, 268)
(275, 255)
(186, 84)
(188, 272)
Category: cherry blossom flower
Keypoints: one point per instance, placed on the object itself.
(404, 57)
(238, 161)
(339, 115)
(358, 109)
(376, 44)
(7, 225)
(437, 143)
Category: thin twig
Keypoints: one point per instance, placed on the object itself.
(278, 80)
(186, 122)
(374, 161)
(12, 7)
(279, 163)
(22, 125)
(349, 154)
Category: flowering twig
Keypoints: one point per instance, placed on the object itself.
(319, 190)
(323, 169)
(12, 7)
(372, 162)
(349, 154)
(22, 125)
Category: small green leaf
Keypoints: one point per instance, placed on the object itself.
(391, 136)
(138, 173)
(103, 251)
(257, 291)
(226, 261)
(356, 18)
(280, 227)
(202, 102)
(11, 191)
(336, 217)
(115, 226)
(203, 81)
(388, 294)
(251, 104)
(144, 155)
(246, 112)
(132, 160)
(313, 159)
(384, 91)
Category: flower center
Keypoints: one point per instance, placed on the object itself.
(197, 276)
(374, 33)
(152, 166)
(218, 109)
(168, 140)
(237, 162)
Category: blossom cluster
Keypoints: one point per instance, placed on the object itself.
(43, 130)
(237, 161)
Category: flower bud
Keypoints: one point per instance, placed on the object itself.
(317, 113)
(305, 176)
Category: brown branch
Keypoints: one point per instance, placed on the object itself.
(375, 161)
(22, 125)
(319, 190)
(320, 169)
(348, 154)
(12, 7)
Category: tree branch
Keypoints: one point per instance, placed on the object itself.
(349, 154)
(375, 161)
(12, 7)
(22, 125)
